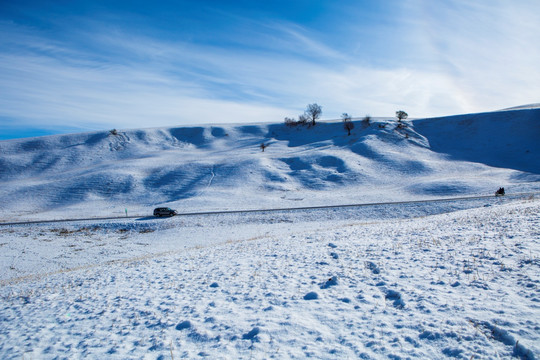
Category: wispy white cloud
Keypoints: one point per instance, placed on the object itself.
(145, 78)
(456, 58)
(294, 39)
(487, 49)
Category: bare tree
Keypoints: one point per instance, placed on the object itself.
(366, 120)
(290, 122)
(347, 123)
(313, 112)
(400, 114)
(303, 119)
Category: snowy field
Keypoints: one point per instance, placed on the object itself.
(435, 277)
(320, 284)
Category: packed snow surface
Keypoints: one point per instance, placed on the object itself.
(457, 285)
(436, 269)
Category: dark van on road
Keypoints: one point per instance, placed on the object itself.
(164, 211)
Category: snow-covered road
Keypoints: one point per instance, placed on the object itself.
(470, 199)
(34, 249)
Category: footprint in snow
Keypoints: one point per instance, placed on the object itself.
(373, 267)
(498, 333)
(395, 297)
(252, 334)
(183, 325)
(311, 296)
(330, 282)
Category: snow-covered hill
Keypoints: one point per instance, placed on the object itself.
(452, 279)
(223, 167)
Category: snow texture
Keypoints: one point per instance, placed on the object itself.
(222, 167)
(453, 285)
(455, 279)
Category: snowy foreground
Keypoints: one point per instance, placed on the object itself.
(327, 284)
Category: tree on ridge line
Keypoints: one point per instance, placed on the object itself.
(400, 114)
(347, 123)
(313, 112)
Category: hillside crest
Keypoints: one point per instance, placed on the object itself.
(221, 167)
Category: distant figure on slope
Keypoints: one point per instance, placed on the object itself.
(499, 192)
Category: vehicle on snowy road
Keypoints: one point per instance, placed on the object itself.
(164, 211)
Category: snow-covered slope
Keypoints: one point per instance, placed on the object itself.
(314, 284)
(452, 279)
(223, 167)
(504, 139)
(521, 107)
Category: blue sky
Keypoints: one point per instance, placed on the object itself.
(70, 66)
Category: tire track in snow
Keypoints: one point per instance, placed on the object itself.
(439, 200)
